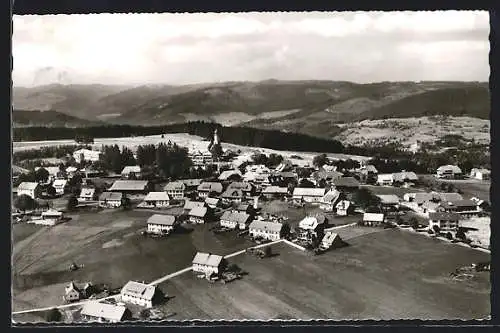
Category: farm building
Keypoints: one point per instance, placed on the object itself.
(130, 186)
(265, 229)
(198, 215)
(50, 217)
(72, 293)
(449, 172)
(175, 190)
(161, 224)
(343, 208)
(312, 195)
(230, 175)
(467, 208)
(207, 263)
(139, 294)
(389, 202)
(385, 179)
(52, 170)
(329, 200)
(235, 219)
(105, 313)
(86, 155)
(275, 192)
(445, 221)
(233, 194)
(346, 184)
(90, 172)
(405, 177)
(31, 189)
(328, 176)
(331, 240)
(212, 202)
(131, 171)
(311, 228)
(206, 188)
(373, 219)
(481, 174)
(156, 200)
(248, 189)
(201, 158)
(191, 184)
(87, 194)
(59, 185)
(110, 199)
(189, 204)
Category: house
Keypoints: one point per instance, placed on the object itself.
(445, 221)
(52, 170)
(285, 165)
(429, 206)
(346, 184)
(246, 208)
(233, 194)
(258, 168)
(389, 202)
(462, 207)
(327, 176)
(248, 189)
(201, 158)
(275, 192)
(207, 263)
(139, 294)
(72, 293)
(191, 184)
(312, 195)
(59, 185)
(87, 194)
(86, 155)
(373, 219)
(331, 240)
(175, 190)
(481, 174)
(343, 208)
(405, 177)
(90, 172)
(189, 204)
(198, 215)
(449, 172)
(131, 171)
(156, 200)
(206, 188)
(230, 175)
(161, 224)
(234, 219)
(50, 217)
(130, 186)
(104, 312)
(264, 229)
(385, 179)
(329, 200)
(212, 202)
(32, 189)
(311, 228)
(110, 199)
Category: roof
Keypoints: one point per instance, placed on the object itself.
(405, 175)
(373, 217)
(71, 169)
(59, 182)
(192, 182)
(198, 211)
(346, 182)
(175, 186)
(87, 191)
(444, 216)
(244, 186)
(287, 174)
(343, 204)
(52, 212)
(103, 310)
(161, 219)
(369, 168)
(458, 203)
(311, 222)
(420, 198)
(482, 170)
(331, 196)
(157, 196)
(243, 207)
(232, 193)
(303, 191)
(17, 170)
(235, 216)
(275, 190)
(138, 289)
(449, 167)
(323, 174)
(388, 198)
(385, 176)
(450, 196)
(88, 151)
(52, 170)
(228, 173)
(189, 204)
(208, 259)
(212, 201)
(329, 237)
(265, 225)
(429, 205)
(27, 186)
(131, 168)
(129, 185)
(210, 187)
(110, 196)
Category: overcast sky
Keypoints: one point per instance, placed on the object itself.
(190, 48)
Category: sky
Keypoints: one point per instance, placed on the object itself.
(136, 49)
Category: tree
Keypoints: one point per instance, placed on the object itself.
(268, 251)
(126, 204)
(320, 160)
(285, 230)
(460, 234)
(364, 198)
(449, 235)
(41, 175)
(51, 191)
(72, 203)
(274, 160)
(24, 202)
(234, 268)
(53, 315)
(436, 229)
(306, 183)
(260, 158)
(414, 223)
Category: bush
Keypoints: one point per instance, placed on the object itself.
(72, 203)
(53, 315)
(24, 202)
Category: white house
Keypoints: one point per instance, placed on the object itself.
(59, 185)
(87, 194)
(138, 293)
(312, 195)
(329, 200)
(83, 155)
(265, 229)
(31, 189)
(105, 313)
(207, 263)
(389, 201)
(343, 207)
(130, 170)
(50, 217)
(130, 186)
(385, 179)
(71, 293)
(156, 200)
(234, 219)
(445, 221)
(161, 224)
(481, 174)
(198, 215)
(275, 192)
(311, 227)
(448, 172)
(110, 199)
(205, 188)
(373, 219)
(175, 190)
(212, 202)
(331, 240)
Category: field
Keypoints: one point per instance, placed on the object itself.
(469, 187)
(390, 274)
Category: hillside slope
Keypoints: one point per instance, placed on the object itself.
(23, 118)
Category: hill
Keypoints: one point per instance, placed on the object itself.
(23, 118)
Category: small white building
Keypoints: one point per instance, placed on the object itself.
(343, 207)
(448, 172)
(87, 194)
(311, 227)
(234, 219)
(161, 224)
(373, 219)
(50, 217)
(130, 170)
(329, 200)
(198, 215)
(105, 313)
(311, 195)
(71, 293)
(445, 221)
(481, 174)
(274, 192)
(331, 240)
(138, 293)
(175, 190)
(84, 155)
(31, 189)
(265, 229)
(385, 179)
(205, 188)
(207, 263)
(59, 185)
(110, 199)
(212, 202)
(156, 200)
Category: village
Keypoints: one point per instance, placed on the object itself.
(316, 209)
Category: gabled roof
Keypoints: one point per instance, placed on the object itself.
(27, 186)
(346, 182)
(244, 186)
(212, 260)
(175, 186)
(450, 196)
(18, 170)
(265, 225)
(385, 176)
(405, 175)
(131, 168)
(388, 198)
(110, 196)
(157, 196)
(311, 222)
(449, 167)
(103, 310)
(189, 204)
(212, 201)
(323, 174)
(228, 173)
(192, 182)
(52, 212)
(161, 219)
(198, 212)
(303, 191)
(373, 217)
(210, 187)
(235, 216)
(369, 168)
(343, 204)
(435, 216)
(138, 289)
(331, 196)
(275, 190)
(232, 193)
(129, 185)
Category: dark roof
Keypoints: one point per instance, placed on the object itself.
(458, 203)
(444, 216)
(346, 182)
(162, 219)
(110, 196)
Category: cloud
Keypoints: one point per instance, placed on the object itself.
(189, 48)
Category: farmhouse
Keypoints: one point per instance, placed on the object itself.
(175, 190)
(346, 184)
(201, 158)
(198, 215)
(59, 185)
(206, 188)
(329, 200)
(32, 189)
(191, 184)
(86, 155)
(373, 219)
(51, 217)
(312, 195)
(72, 293)
(156, 200)
(110, 199)
(207, 263)
(331, 240)
(405, 177)
(265, 229)
(234, 219)
(275, 192)
(130, 186)
(139, 294)
(230, 175)
(429, 206)
(212, 202)
(248, 189)
(52, 170)
(449, 172)
(87, 194)
(481, 174)
(445, 221)
(90, 172)
(389, 202)
(343, 207)
(385, 179)
(131, 171)
(246, 208)
(105, 313)
(161, 224)
(462, 207)
(311, 228)
(233, 194)
(189, 204)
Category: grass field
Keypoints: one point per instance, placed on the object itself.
(469, 187)
(390, 274)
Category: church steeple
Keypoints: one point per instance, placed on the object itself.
(216, 138)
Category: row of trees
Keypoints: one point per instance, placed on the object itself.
(46, 152)
(271, 161)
